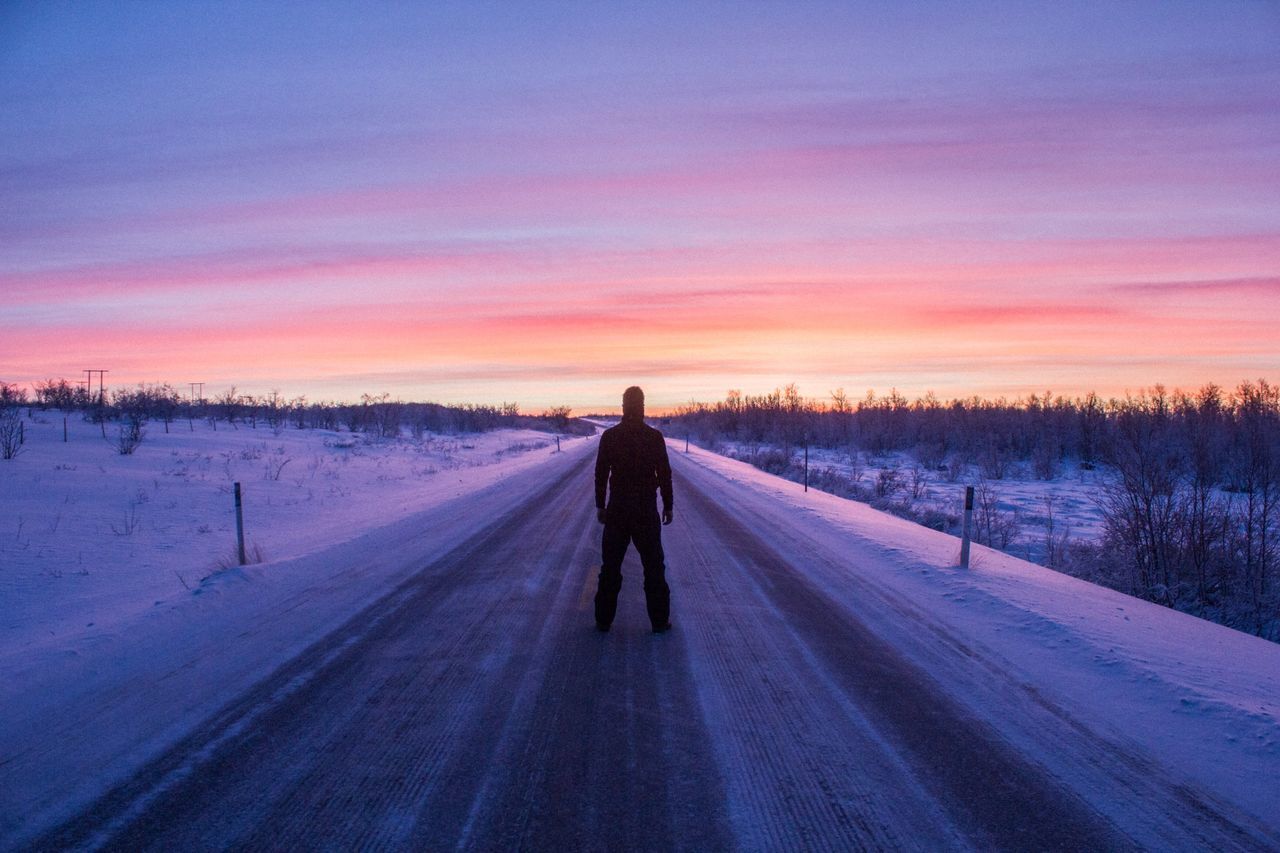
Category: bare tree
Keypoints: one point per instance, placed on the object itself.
(10, 431)
(1141, 505)
(227, 405)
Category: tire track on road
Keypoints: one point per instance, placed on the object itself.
(806, 769)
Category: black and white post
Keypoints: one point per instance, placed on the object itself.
(239, 526)
(968, 527)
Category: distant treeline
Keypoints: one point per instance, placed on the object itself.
(130, 409)
(1192, 503)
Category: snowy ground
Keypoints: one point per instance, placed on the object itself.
(89, 537)
(1160, 722)
(1070, 499)
(1200, 696)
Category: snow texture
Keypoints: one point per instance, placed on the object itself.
(1203, 698)
(88, 658)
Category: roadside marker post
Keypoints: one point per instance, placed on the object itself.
(968, 527)
(239, 525)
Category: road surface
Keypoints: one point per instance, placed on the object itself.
(475, 707)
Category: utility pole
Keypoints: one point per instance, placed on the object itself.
(102, 392)
(102, 395)
(191, 421)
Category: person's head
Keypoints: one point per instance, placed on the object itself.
(633, 402)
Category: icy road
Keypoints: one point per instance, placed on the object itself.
(798, 703)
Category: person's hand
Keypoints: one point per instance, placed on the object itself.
(600, 514)
(667, 515)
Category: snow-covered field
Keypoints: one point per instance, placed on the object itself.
(89, 537)
(1069, 502)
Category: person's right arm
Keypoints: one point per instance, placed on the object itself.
(602, 477)
(664, 481)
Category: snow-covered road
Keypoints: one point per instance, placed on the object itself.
(799, 703)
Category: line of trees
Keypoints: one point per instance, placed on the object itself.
(1192, 495)
(129, 410)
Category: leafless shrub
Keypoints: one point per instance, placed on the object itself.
(856, 468)
(275, 410)
(314, 464)
(919, 483)
(10, 432)
(887, 482)
(130, 435)
(275, 466)
(1057, 543)
(993, 526)
(130, 521)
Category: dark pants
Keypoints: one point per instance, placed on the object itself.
(622, 526)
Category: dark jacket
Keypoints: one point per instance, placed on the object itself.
(632, 462)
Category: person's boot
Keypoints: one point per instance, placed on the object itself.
(662, 629)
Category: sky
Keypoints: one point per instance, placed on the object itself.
(547, 202)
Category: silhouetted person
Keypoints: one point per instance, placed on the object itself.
(631, 465)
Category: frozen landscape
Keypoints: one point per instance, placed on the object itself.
(1028, 514)
(284, 565)
(91, 536)
(413, 664)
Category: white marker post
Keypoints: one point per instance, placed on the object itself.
(968, 527)
(239, 525)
